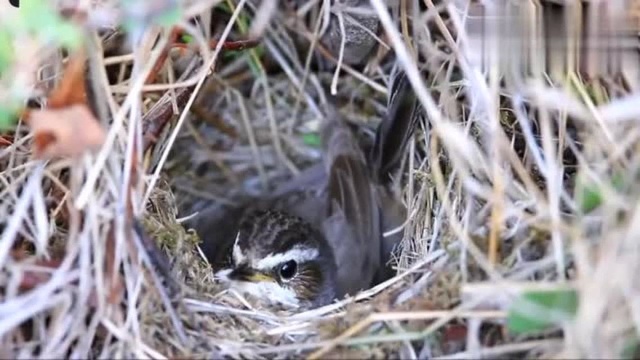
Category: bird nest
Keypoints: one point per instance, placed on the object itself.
(520, 238)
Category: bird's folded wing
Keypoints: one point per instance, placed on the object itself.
(393, 135)
(352, 226)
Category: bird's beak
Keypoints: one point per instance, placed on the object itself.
(250, 275)
(258, 277)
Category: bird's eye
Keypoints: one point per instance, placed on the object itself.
(288, 270)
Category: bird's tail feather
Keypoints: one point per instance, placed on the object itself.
(396, 129)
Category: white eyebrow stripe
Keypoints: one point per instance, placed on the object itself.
(297, 254)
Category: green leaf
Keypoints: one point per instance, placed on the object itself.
(186, 38)
(39, 18)
(7, 117)
(224, 7)
(311, 139)
(6, 50)
(539, 310)
(70, 35)
(169, 17)
(630, 349)
(590, 197)
(590, 194)
(67, 35)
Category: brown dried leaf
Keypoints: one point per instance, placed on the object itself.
(65, 132)
(71, 89)
(67, 127)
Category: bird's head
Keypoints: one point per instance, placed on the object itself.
(282, 259)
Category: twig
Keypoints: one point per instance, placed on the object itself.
(156, 119)
(176, 32)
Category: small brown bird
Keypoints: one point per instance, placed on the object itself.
(321, 236)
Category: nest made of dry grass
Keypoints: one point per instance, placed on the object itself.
(492, 185)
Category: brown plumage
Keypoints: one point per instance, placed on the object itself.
(337, 210)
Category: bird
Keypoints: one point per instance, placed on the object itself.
(320, 237)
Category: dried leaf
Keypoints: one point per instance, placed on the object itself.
(67, 127)
(71, 89)
(65, 132)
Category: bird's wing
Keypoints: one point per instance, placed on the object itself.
(393, 135)
(352, 224)
(396, 129)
